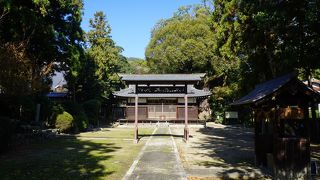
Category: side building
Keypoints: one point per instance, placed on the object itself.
(161, 97)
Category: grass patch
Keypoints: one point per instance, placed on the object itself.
(121, 133)
(74, 158)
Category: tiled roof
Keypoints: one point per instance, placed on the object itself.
(267, 88)
(162, 77)
(57, 95)
(315, 84)
(316, 88)
(264, 89)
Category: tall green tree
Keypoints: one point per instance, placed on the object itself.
(260, 40)
(104, 55)
(37, 37)
(279, 37)
(183, 43)
(228, 52)
(47, 33)
(199, 39)
(16, 70)
(267, 38)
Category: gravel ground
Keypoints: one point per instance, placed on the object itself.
(218, 151)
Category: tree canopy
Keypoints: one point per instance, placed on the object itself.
(279, 37)
(35, 35)
(199, 39)
(104, 58)
(238, 44)
(181, 44)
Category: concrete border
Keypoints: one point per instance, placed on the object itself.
(135, 162)
(183, 174)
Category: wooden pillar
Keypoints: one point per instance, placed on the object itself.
(186, 128)
(136, 119)
(314, 132)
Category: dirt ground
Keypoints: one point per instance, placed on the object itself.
(315, 156)
(315, 152)
(218, 151)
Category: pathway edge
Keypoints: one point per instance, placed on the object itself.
(135, 162)
(176, 152)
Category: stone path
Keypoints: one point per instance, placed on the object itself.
(158, 160)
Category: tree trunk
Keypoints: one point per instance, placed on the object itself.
(74, 93)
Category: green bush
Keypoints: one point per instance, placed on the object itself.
(81, 122)
(77, 111)
(92, 108)
(219, 120)
(56, 109)
(6, 132)
(72, 107)
(64, 122)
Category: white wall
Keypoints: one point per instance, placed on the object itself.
(190, 100)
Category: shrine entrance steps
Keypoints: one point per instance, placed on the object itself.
(159, 158)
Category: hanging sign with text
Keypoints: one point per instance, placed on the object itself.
(162, 89)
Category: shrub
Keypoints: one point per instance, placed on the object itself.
(56, 109)
(77, 111)
(92, 108)
(219, 118)
(72, 107)
(6, 132)
(81, 122)
(64, 122)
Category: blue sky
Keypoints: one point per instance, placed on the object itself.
(132, 20)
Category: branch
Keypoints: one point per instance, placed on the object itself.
(4, 13)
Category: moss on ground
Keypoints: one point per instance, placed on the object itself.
(74, 158)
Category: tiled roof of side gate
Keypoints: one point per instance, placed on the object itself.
(264, 89)
(162, 77)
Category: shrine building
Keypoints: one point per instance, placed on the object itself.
(161, 97)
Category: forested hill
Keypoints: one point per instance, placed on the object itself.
(134, 59)
(137, 66)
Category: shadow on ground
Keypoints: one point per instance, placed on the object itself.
(231, 148)
(160, 135)
(59, 158)
(315, 151)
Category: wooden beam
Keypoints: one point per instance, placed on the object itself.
(186, 128)
(136, 134)
(163, 82)
(136, 90)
